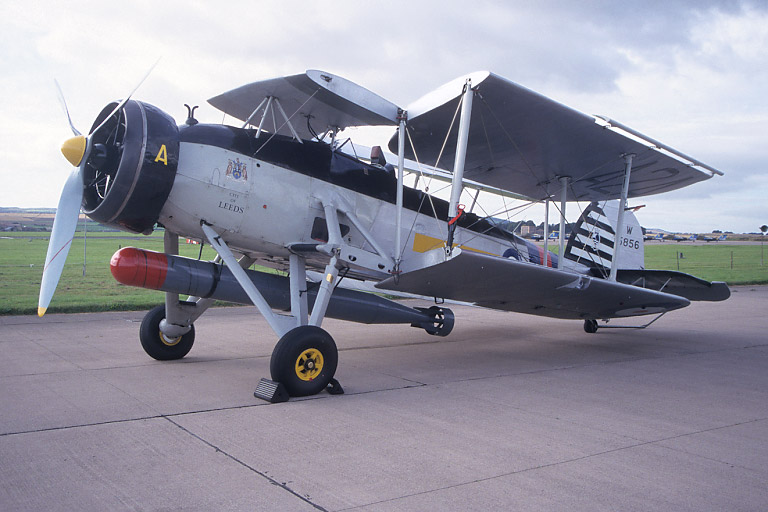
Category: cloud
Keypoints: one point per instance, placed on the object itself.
(690, 74)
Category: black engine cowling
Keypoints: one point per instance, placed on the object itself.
(132, 166)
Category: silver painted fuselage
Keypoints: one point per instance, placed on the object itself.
(262, 209)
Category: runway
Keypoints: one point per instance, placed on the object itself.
(509, 412)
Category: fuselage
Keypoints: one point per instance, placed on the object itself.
(264, 195)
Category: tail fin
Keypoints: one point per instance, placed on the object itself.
(594, 242)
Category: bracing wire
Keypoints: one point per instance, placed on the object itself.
(421, 174)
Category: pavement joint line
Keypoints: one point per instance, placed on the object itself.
(129, 420)
(320, 396)
(138, 365)
(242, 358)
(188, 413)
(563, 462)
(729, 464)
(282, 485)
(415, 384)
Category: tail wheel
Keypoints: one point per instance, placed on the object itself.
(159, 346)
(304, 360)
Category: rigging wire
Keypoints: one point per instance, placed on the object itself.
(426, 193)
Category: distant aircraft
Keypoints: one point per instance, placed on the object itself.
(537, 237)
(553, 235)
(691, 238)
(713, 239)
(284, 190)
(658, 237)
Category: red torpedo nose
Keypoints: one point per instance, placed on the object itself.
(135, 267)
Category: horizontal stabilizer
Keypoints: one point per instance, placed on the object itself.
(676, 283)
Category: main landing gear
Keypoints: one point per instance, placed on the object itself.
(304, 360)
(590, 325)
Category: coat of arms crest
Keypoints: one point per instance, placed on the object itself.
(237, 170)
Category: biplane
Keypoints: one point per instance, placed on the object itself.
(285, 189)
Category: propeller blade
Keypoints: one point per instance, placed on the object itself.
(77, 151)
(64, 225)
(122, 103)
(66, 110)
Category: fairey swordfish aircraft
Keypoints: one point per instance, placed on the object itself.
(284, 190)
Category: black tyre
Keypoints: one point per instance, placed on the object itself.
(159, 346)
(304, 360)
(590, 325)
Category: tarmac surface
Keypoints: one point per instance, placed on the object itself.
(509, 412)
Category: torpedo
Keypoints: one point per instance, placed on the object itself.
(175, 274)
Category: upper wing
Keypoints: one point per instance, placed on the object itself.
(522, 141)
(323, 99)
(512, 285)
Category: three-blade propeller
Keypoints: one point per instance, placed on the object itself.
(76, 150)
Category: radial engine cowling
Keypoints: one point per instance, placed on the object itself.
(131, 168)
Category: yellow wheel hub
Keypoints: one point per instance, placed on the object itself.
(169, 341)
(309, 364)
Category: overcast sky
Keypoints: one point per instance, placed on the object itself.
(693, 74)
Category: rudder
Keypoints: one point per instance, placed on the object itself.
(593, 242)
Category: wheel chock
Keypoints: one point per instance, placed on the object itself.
(271, 391)
(334, 388)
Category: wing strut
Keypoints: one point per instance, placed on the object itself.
(280, 324)
(402, 117)
(270, 102)
(564, 195)
(461, 156)
(620, 219)
(546, 231)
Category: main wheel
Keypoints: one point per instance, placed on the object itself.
(158, 345)
(304, 360)
(590, 325)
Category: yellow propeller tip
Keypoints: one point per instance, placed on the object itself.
(41, 311)
(73, 149)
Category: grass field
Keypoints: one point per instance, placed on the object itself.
(22, 256)
(734, 264)
(21, 268)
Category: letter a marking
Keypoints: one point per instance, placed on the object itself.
(162, 155)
